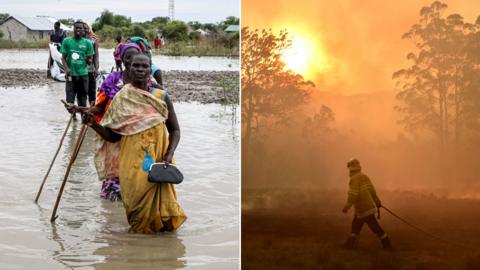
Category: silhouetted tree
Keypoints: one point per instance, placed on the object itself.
(270, 94)
(433, 88)
(320, 125)
(439, 91)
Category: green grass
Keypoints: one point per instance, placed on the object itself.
(23, 44)
(229, 89)
(202, 48)
(198, 49)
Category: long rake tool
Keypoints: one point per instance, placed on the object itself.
(53, 161)
(76, 149)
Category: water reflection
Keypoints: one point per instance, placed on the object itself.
(129, 251)
(91, 232)
(56, 253)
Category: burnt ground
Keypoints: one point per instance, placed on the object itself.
(304, 230)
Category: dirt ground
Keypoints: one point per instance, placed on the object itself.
(23, 78)
(203, 86)
(304, 230)
(187, 86)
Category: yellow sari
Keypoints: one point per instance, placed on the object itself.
(139, 116)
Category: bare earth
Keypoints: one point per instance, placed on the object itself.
(187, 86)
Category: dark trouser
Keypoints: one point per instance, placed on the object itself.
(118, 63)
(372, 223)
(77, 87)
(92, 87)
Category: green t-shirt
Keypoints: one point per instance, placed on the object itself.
(76, 51)
(91, 67)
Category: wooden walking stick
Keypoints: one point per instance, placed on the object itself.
(54, 157)
(78, 144)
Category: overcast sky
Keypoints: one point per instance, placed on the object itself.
(205, 11)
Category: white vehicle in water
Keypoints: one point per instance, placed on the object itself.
(56, 69)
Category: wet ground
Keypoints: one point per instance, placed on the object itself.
(91, 233)
(201, 86)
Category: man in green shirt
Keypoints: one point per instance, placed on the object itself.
(77, 52)
(362, 195)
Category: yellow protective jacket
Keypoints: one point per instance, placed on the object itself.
(362, 195)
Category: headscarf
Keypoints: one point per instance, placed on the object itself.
(143, 44)
(126, 46)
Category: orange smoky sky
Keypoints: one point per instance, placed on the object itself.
(359, 41)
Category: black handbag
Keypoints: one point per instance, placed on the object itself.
(164, 173)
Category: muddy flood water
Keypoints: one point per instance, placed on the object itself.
(91, 233)
(37, 59)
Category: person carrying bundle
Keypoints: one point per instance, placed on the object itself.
(143, 122)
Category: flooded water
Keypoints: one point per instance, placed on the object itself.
(37, 58)
(91, 233)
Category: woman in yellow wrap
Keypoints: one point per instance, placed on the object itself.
(143, 122)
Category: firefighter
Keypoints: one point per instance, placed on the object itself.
(363, 197)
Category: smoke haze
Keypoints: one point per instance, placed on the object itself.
(364, 47)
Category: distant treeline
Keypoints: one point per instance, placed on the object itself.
(291, 138)
(179, 36)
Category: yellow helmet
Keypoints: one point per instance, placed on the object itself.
(353, 164)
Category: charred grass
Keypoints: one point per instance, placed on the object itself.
(305, 229)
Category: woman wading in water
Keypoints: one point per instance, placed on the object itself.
(142, 119)
(107, 168)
